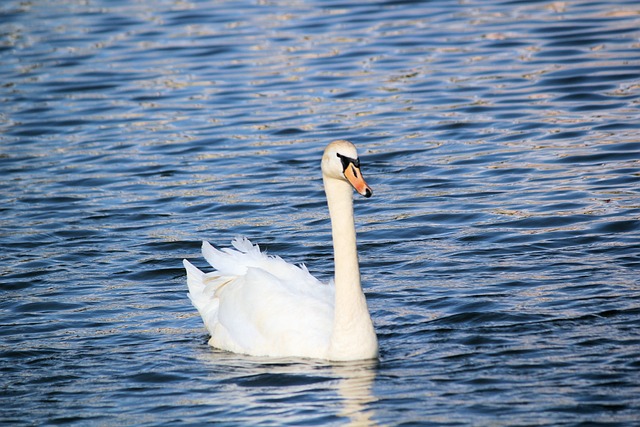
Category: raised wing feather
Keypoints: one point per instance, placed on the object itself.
(258, 304)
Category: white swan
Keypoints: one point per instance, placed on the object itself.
(260, 305)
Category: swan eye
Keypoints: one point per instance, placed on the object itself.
(346, 161)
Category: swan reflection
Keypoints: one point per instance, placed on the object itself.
(288, 390)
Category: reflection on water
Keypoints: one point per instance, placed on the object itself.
(282, 390)
(355, 388)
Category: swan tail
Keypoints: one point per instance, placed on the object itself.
(195, 281)
(203, 290)
(228, 264)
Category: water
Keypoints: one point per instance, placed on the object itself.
(500, 252)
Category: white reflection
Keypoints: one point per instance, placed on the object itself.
(289, 390)
(354, 386)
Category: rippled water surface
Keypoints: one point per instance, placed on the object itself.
(500, 252)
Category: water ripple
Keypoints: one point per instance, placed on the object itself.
(499, 254)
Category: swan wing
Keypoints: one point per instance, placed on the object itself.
(258, 304)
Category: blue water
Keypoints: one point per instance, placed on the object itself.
(500, 252)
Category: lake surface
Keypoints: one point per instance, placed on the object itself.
(500, 252)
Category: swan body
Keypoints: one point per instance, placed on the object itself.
(258, 304)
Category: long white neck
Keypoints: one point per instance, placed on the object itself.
(353, 335)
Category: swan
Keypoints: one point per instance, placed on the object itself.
(260, 305)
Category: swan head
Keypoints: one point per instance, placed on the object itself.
(340, 161)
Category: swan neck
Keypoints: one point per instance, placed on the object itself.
(343, 232)
(353, 336)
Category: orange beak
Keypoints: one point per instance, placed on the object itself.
(354, 176)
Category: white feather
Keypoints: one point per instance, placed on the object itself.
(258, 304)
